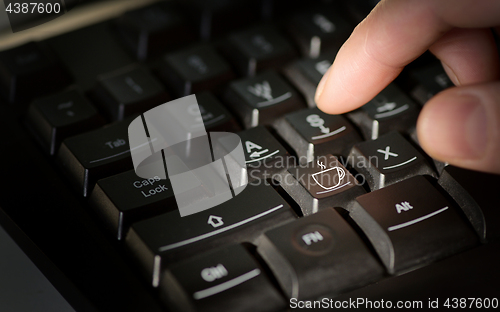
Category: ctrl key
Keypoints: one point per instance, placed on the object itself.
(318, 254)
(227, 279)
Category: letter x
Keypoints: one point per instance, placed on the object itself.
(387, 152)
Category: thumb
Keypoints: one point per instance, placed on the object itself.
(461, 126)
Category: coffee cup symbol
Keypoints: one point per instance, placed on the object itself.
(340, 174)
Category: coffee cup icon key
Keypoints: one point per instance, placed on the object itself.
(331, 185)
(205, 169)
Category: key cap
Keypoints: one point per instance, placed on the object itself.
(194, 69)
(258, 48)
(305, 74)
(215, 17)
(324, 183)
(222, 280)
(89, 52)
(59, 116)
(158, 241)
(388, 160)
(264, 155)
(28, 71)
(215, 116)
(429, 81)
(125, 198)
(153, 30)
(261, 99)
(94, 155)
(390, 110)
(128, 91)
(311, 133)
(450, 180)
(318, 254)
(411, 224)
(318, 30)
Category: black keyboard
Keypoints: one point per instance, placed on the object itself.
(337, 208)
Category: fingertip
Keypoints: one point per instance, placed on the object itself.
(460, 126)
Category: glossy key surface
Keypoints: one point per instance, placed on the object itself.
(387, 160)
(411, 223)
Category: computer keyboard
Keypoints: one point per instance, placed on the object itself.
(336, 207)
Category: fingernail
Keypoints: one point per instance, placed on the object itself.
(321, 85)
(457, 128)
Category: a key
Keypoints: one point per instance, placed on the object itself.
(153, 30)
(215, 116)
(194, 69)
(89, 52)
(264, 155)
(215, 17)
(318, 254)
(28, 71)
(94, 155)
(305, 74)
(311, 133)
(158, 241)
(128, 91)
(261, 99)
(323, 183)
(429, 80)
(258, 48)
(221, 280)
(390, 110)
(318, 30)
(411, 223)
(126, 198)
(388, 160)
(59, 116)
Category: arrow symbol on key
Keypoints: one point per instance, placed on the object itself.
(386, 107)
(324, 130)
(257, 154)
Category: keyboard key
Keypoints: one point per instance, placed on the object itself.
(411, 224)
(128, 91)
(258, 48)
(262, 99)
(311, 133)
(429, 81)
(215, 17)
(94, 155)
(388, 160)
(153, 30)
(324, 183)
(125, 198)
(390, 110)
(264, 155)
(318, 254)
(222, 280)
(305, 74)
(59, 116)
(318, 30)
(90, 52)
(215, 116)
(194, 69)
(169, 237)
(449, 181)
(28, 71)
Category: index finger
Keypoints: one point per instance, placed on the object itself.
(395, 33)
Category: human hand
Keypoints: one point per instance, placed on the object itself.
(460, 125)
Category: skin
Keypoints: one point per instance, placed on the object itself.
(460, 125)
